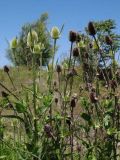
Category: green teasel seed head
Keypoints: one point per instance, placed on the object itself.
(38, 48)
(55, 33)
(13, 43)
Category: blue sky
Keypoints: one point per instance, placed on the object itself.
(75, 14)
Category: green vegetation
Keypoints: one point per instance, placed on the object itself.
(67, 111)
(22, 54)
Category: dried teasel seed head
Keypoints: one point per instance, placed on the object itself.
(58, 69)
(108, 40)
(6, 69)
(9, 105)
(4, 94)
(90, 45)
(91, 29)
(55, 83)
(75, 52)
(47, 129)
(73, 103)
(93, 97)
(68, 120)
(56, 100)
(72, 36)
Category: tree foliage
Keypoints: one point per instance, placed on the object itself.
(22, 54)
(91, 58)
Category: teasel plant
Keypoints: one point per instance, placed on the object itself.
(51, 127)
(13, 46)
(55, 35)
(6, 70)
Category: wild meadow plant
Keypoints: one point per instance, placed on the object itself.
(64, 122)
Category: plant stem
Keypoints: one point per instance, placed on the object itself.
(69, 65)
(35, 137)
(107, 78)
(8, 91)
(11, 80)
(71, 137)
(51, 77)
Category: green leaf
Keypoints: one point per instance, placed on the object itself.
(84, 103)
(86, 117)
(111, 131)
(20, 107)
(107, 120)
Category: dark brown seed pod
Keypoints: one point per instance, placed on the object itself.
(9, 106)
(91, 29)
(68, 121)
(93, 97)
(4, 94)
(55, 83)
(6, 69)
(58, 69)
(72, 36)
(90, 45)
(56, 100)
(48, 130)
(73, 103)
(108, 40)
(75, 52)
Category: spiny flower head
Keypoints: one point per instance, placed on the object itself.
(32, 38)
(58, 68)
(38, 47)
(6, 69)
(75, 52)
(108, 40)
(72, 36)
(55, 33)
(91, 29)
(13, 43)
